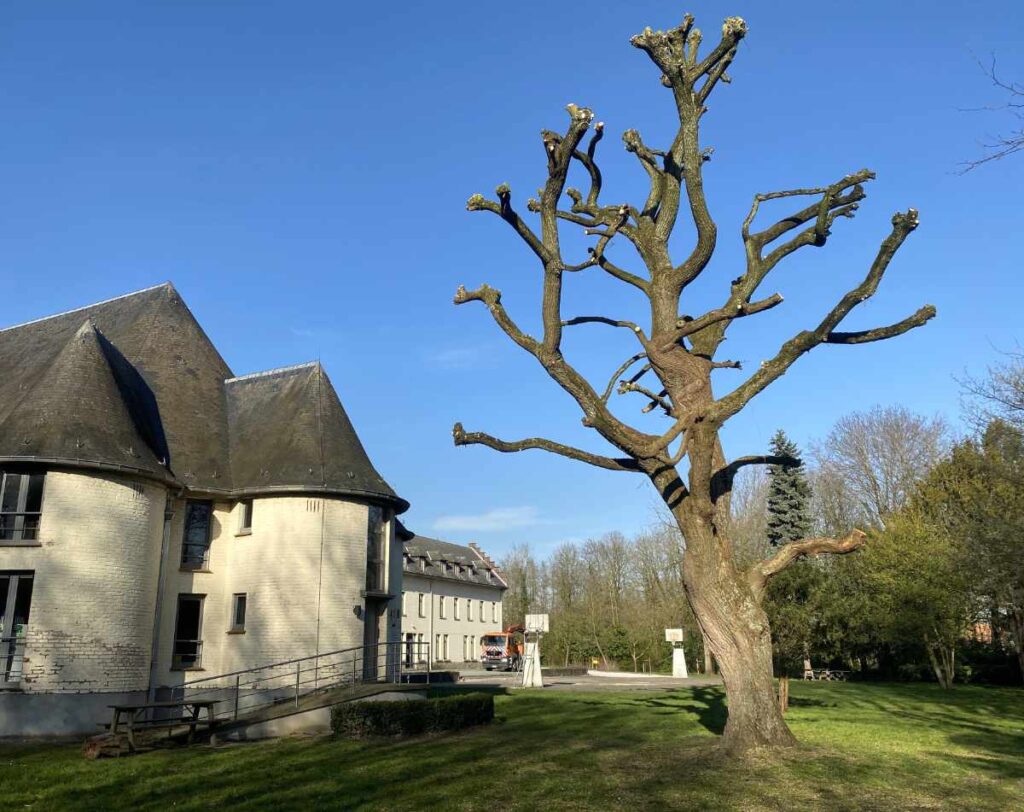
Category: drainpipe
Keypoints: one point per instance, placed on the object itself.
(165, 545)
(431, 641)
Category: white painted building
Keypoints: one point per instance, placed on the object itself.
(162, 519)
(451, 598)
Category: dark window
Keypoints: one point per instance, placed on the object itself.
(21, 503)
(195, 546)
(238, 613)
(15, 602)
(376, 538)
(245, 516)
(188, 645)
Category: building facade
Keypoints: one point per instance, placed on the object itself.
(162, 519)
(451, 598)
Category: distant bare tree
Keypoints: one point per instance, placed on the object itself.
(999, 395)
(878, 456)
(1000, 146)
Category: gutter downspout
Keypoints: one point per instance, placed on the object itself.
(431, 641)
(165, 545)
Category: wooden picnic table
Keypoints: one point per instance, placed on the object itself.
(832, 674)
(134, 716)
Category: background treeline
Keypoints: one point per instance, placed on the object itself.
(938, 592)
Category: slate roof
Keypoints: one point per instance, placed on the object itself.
(435, 554)
(135, 384)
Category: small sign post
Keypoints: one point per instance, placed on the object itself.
(675, 637)
(536, 627)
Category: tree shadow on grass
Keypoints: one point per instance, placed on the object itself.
(707, 703)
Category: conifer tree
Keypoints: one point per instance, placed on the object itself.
(789, 495)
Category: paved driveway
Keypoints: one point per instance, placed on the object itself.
(608, 682)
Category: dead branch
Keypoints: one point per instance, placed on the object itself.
(760, 573)
(462, 437)
(902, 225)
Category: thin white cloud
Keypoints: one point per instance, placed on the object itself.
(454, 358)
(496, 519)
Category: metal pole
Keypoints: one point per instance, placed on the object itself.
(298, 670)
(238, 678)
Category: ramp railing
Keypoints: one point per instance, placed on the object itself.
(284, 685)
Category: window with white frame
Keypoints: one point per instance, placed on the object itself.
(455, 603)
(404, 612)
(437, 647)
(482, 618)
(441, 609)
(421, 604)
(494, 612)
(469, 609)
(21, 505)
(447, 651)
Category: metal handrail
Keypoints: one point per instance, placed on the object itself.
(290, 680)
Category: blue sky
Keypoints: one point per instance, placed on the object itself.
(299, 170)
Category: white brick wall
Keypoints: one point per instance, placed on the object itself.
(96, 569)
(302, 569)
(431, 624)
(91, 621)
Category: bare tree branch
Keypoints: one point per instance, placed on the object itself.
(1001, 146)
(723, 478)
(902, 226)
(761, 572)
(462, 437)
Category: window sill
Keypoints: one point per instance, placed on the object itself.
(184, 568)
(236, 631)
(244, 532)
(10, 543)
(184, 668)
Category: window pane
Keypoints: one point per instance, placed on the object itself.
(246, 517)
(34, 498)
(240, 611)
(11, 488)
(196, 543)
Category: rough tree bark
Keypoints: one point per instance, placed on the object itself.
(679, 352)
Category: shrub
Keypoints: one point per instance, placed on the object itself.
(408, 717)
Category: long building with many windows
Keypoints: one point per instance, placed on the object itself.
(451, 598)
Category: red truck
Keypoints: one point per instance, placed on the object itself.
(502, 650)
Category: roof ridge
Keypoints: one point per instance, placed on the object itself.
(275, 371)
(87, 307)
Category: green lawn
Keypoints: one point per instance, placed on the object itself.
(865, 747)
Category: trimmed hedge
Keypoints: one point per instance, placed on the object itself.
(409, 717)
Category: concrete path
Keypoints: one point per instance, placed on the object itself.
(608, 681)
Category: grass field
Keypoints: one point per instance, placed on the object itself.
(869, 747)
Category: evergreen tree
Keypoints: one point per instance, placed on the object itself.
(789, 495)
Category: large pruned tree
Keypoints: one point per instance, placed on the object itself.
(679, 352)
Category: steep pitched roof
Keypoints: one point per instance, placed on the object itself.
(52, 420)
(159, 337)
(135, 383)
(288, 429)
(474, 566)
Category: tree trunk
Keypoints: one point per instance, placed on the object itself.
(1017, 633)
(709, 662)
(736, 629)
(942, 668)
(783, 695)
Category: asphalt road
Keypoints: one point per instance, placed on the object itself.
(610, 682)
